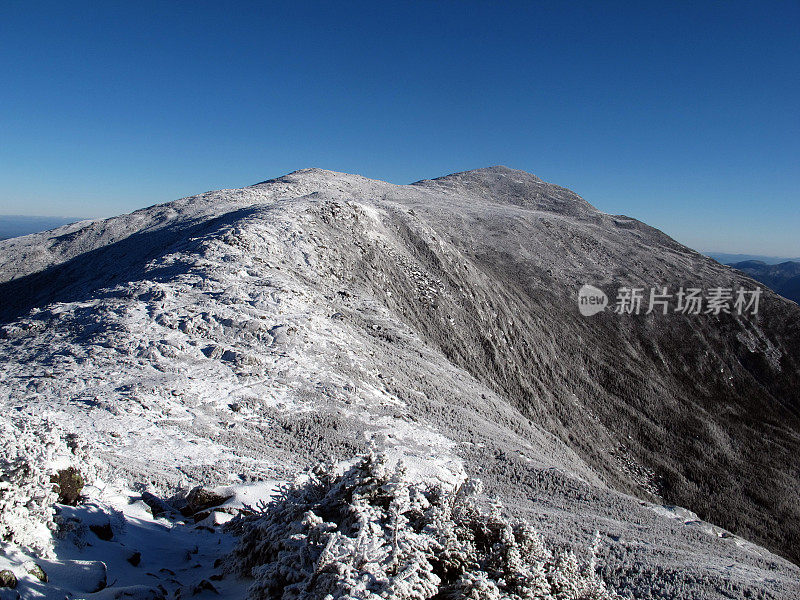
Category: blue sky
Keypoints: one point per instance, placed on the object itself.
(684, 115)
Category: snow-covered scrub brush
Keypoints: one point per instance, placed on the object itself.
(34, 460)
(371, 533)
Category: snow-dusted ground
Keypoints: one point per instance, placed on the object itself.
(230, 338)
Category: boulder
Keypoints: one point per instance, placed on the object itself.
(201, 499)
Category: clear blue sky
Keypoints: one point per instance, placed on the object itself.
(684, 115)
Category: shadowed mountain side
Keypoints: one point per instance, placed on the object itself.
(783, 277)
(701, 410)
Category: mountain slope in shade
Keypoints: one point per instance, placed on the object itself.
(783, 278)
(247, 333)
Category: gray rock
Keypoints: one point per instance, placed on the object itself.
(157, 506)
(204, 586)
(200, 499)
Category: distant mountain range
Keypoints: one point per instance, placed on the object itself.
(728, 259)
(783, 278)
(16, 225)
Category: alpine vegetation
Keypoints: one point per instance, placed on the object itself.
(373, 533)
(36, 467)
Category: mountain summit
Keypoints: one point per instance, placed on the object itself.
(246, 334)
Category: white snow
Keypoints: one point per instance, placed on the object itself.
(222, 340)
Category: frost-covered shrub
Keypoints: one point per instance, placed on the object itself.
(370, 533)
(29, 456)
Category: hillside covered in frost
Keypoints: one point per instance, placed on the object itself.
(237, 338)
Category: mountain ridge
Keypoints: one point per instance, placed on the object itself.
(437, 319)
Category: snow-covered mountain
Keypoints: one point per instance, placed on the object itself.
(244, 335)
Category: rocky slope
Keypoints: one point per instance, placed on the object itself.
(244, 334)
